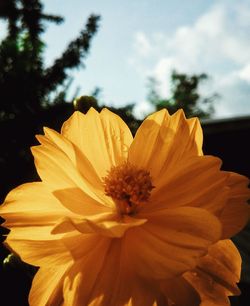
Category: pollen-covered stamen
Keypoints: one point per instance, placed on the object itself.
(128, 186)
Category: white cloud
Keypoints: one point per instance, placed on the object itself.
(3, 29)
(244, 73)
(162, 73)
(217, 43)
(142, 109)
(142, 45)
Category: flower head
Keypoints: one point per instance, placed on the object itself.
(123, 221)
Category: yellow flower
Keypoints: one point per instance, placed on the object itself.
(123, 221)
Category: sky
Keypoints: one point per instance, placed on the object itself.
(138, 39)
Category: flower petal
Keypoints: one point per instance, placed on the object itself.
(217, 273)
(103, 138)
(236, 212)
(75, 200)
(71, 289)
(56, 169)
(38, 252)
(105, 278)
(241, 241)
(172, 240)
(87, 243)
(104, 224)
(196, 134)
(75, 155)
(165, 140)
(31, 212)
(47, 286)
(198, 182)
(31, 204)
(83, 275)
(59, 173)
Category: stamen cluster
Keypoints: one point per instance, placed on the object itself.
(128, 186)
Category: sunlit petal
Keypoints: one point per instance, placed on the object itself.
(198, 182)
(31, 204)
(43, 294)
(104, 138)
(165, 141)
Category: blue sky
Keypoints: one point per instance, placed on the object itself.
(142, 38)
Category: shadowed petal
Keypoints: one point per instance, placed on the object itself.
(171, 241)
(110, 281)
(83, 275)
(216, 274)
(75, 200)
(180, 293)
(105, 224)
(236, 212)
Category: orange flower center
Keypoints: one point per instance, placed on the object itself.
(128, 186)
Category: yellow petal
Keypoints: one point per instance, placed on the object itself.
(38, 252)
(31, 212)
(196, 134)
(75, 155)
(87, 243)
(166, 140)
(171, 242)
(199, 182)
(71, 289)
(58, 172)
(82, 277)
(236, 212)
(104, 278)
(105, 224)
(216, 274)
(117, 136)
(31, 204)
(47, 286)
(103, 138)
(75, 200)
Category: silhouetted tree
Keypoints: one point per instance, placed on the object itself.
(184, 94)
(25, 84)
(32, 95)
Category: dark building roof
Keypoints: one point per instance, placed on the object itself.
(229, 139)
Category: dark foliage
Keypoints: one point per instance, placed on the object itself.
(184, 94)
(31, 95)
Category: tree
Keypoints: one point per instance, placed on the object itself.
(25, 84)
(184, 94)
(32, 95)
